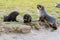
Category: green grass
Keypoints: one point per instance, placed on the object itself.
(1, 17)
(30, 6)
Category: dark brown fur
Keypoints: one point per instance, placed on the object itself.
(27, 18)
(11, 17)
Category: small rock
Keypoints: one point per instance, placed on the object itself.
(37, 26)
(22, 29)
(26, 29)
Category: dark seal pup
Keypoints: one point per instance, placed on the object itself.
(11, 17)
